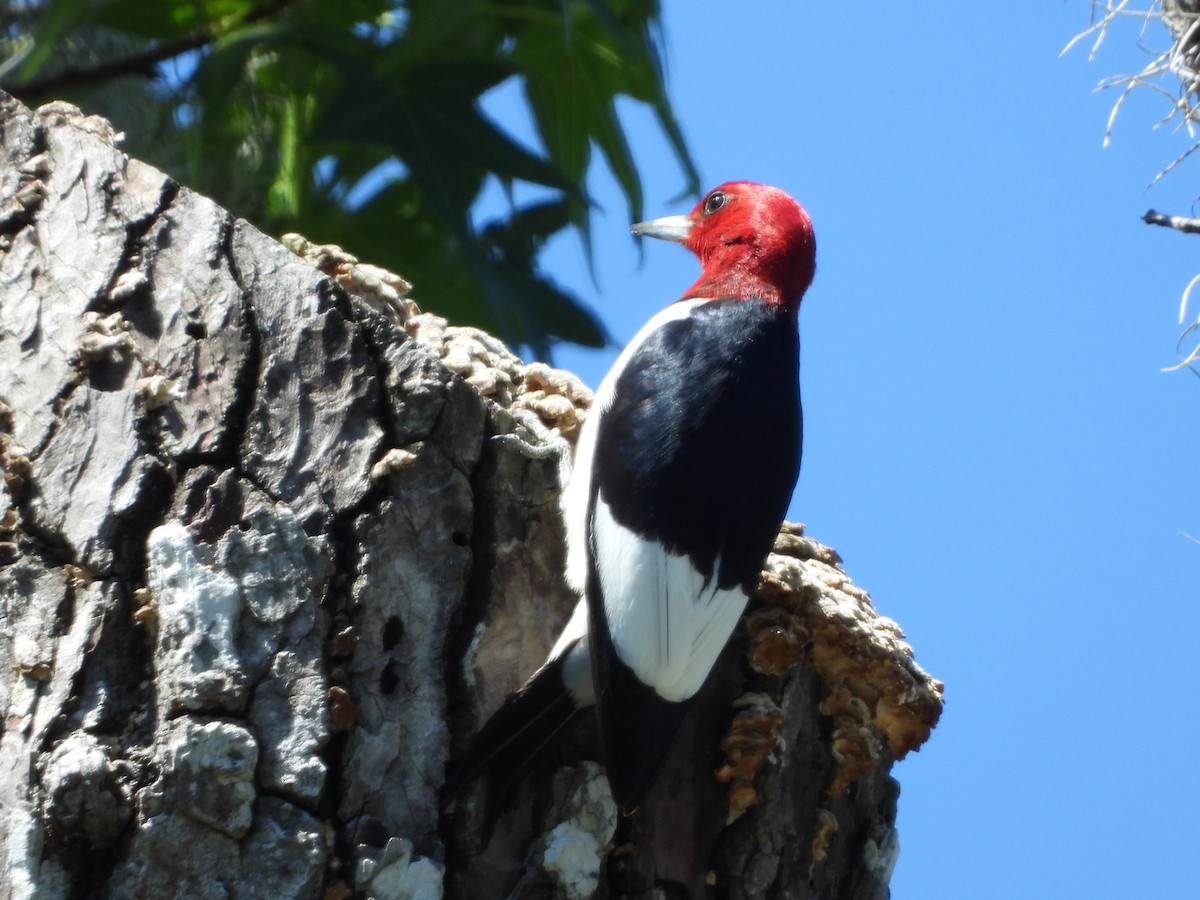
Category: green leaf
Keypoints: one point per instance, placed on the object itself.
(522, 235)
(573, 77)
(49, 31)
(293, 106)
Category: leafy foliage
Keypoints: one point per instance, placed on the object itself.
(360, 122)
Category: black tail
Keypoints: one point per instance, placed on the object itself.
(508, 744)
(638, 728)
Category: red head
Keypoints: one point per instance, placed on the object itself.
(754, 242)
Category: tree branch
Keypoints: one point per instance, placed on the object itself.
(39, 89)
(1179, 223)
(143, 63)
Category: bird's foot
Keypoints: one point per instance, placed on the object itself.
(533, 439)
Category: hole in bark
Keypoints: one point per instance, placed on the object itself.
(195, 330)
(459, 539)
(388, 679)
(393, 630)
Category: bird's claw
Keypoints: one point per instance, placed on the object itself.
(543, 443)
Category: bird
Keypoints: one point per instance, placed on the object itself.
(683, 472)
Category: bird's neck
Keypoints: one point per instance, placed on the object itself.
(742, 271)
(739, 285)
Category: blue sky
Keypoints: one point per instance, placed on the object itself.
(990, 442)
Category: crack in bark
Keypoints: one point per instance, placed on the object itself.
(131, 253)
(22, 210)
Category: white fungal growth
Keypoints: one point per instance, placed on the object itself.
(198, 608)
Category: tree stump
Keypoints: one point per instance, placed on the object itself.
(264, 565)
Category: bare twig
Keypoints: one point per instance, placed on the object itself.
(1192, 357)
(1187, 296)
(1179, 223)
(1175, 74)
(1100, 27)
(1186, 362)
(1179, 64)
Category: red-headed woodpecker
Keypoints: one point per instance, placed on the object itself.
(683, 473)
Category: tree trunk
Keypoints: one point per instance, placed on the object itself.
(265, 564)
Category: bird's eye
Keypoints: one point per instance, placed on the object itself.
(714, 201)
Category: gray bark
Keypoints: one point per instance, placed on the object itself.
(265, 564)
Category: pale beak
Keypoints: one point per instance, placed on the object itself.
(668, 228)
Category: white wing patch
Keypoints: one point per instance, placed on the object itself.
(667, 625)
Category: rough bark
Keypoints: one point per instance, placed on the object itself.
(266, 561)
